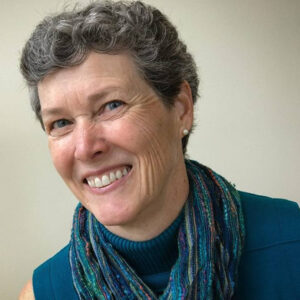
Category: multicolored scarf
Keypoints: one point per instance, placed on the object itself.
(210, 242)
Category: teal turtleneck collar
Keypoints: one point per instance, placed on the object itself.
(154, 256)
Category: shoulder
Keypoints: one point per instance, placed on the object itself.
(269, 220)
(270, 263)
(59, 259)
(27, 292)
(53, 278)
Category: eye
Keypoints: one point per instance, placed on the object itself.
(113, 105)
(112, 110)
(59, 127)
(60, 123)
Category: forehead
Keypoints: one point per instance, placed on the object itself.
(96, 70)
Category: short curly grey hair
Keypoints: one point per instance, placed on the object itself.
(65, 39)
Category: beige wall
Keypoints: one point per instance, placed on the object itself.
(248, 117)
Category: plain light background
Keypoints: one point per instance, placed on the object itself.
(248, 117)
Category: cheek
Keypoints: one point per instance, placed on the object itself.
(140, 136)
(159, 140)
(60, 157)
(156, 146)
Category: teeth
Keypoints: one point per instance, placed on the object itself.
(112, 177)
(106, 179)
(118, 174)
(98, 182)
(91, 183)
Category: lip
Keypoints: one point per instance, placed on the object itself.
(111, 186)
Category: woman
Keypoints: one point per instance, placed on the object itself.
(114, 89)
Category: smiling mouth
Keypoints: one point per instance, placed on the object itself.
(107, 178)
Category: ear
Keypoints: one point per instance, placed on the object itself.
(184, 107)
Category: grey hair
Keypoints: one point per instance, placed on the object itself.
(65, 39)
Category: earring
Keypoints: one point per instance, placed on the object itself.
(185, 131)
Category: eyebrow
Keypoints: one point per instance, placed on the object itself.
(93, 97)
(51, 111)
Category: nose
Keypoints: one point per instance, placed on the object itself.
(89, 142)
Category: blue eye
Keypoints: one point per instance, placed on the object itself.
(60, 123)
(114, 104)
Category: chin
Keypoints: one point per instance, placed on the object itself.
(115, 217)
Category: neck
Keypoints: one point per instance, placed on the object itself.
(156, 219)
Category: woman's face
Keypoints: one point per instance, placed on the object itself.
(112, 140)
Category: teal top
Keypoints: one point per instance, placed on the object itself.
(161, 254)
(269, 266)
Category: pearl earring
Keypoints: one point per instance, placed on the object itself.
(185, 132)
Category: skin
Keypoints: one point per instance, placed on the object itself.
(27, 292)
(101, 115)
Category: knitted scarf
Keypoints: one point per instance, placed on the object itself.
(210, 242)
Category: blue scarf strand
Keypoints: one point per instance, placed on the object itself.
(210, 242)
